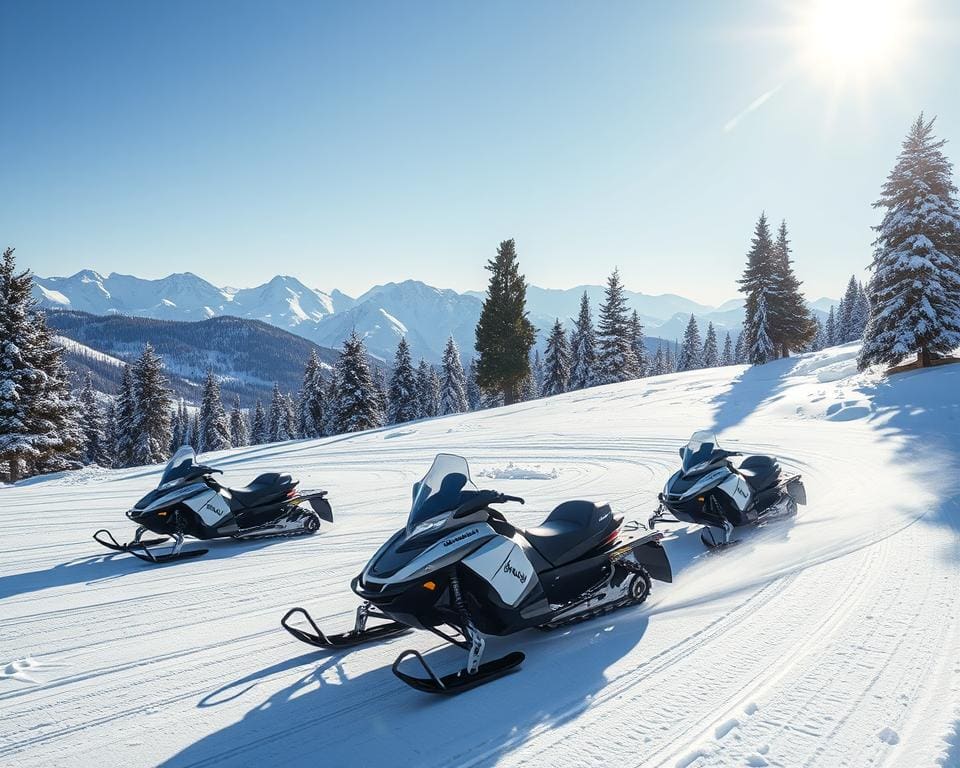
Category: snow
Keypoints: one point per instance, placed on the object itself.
(828, 640)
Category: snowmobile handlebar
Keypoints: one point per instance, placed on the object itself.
(503, 497)
(481, 499)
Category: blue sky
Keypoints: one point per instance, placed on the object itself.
(356, 143)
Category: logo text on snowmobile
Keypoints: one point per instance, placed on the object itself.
(461, 537)
(508, 567)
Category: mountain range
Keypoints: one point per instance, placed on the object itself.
(424, 314)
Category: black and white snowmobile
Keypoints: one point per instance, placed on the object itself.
(459, 564)
(189, 502)
(710, 491)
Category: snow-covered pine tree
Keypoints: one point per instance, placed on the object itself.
(669, 360)
(290, 417)
(638, 345)
(710, 356)
(791, 324)
(739, 349)
(860, 313)
(615, 358)
(358, 402)
(151, 429)
(238, 425)
(914, 288)
(380, 388)
(425, 395)
(126, 411)
(557, 373)
(529, 388)
(453, 383)
(759, 279)
(830, 329)
(659, 365)
(840, 329)
(691, 351)
(259, 429)
(474, 393)
(403, 402)
(504, 334)
(214, 424)
(820, 337)
(92, 422)
(196, 434)
(176, 428)
(313, 399)
(275, 418)
(762, 349)
(848, 322)
(726, 358)
(16, 440)
(583, 348)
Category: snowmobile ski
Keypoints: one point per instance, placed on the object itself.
(116, 546)
(456, 682)
(359, 635)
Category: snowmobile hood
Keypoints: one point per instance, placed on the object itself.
(159, 498)
(681, 487)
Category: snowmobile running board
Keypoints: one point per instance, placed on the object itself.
(456, 682)
(118, 547)
(344, 639)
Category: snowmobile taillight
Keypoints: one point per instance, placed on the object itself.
(291, 493)
(429, 585)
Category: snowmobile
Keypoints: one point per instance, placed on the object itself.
(710, 491)
(189, 502)
(460, 570)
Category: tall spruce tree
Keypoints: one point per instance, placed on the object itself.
(659, 365)
(914, 287)
(616, 360)
(358, 401)
(830, 329)
(819, 338)
(504, 334)
(557, 373)
(214, 424)
(760, 279)
(638, 344)
(727, 357)
(474, 393)
(276, 418)
(691, 351)
(95, 450)
(583, 349)
(453, 383)
(426, 396)
(238, 425)
(791, 323)
(259, 429)
(403, 402)
(848, 320)
(313, 401)
(740, 349)
(126, 411)
(151, 421)
(711, 352)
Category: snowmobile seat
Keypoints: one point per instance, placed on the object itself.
(270, 486)
(572, 530)
(760, 472)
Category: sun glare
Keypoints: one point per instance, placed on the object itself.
(853, 38)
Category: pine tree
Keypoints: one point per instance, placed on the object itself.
(914, 288)
(94, 432)
(176, 427)
(638, 345)
(557, 373)
(583, 349)
(196, 434)
(380, 389)
(537, 372)
(711, 353)
(727, 357)
(333, 395)
(740, 349)
(848, 320)
(428, 405)
(277, 418)
(819, 338)
(238, 425)
(860, 313)
(691, 352)
(759, 280)
(616, 360)
(790, 322)
(358, 401)
(259, 430)
(530, 390)
(126, 411)
(761, 349)
(830, 329)
(313, 403)
(669, 360)
(214, 424)
(659, 366)
(290, 417)
(403, 402)
(453, 384)
(474, 393)
(504, 334)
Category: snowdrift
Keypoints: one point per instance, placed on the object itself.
(828, 640)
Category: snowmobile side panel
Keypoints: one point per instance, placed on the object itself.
(505, 567)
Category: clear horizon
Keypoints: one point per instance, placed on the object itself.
(336, 142)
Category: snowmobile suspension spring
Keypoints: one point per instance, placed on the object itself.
(457, 595)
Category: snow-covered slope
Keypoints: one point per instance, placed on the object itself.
(829, 640)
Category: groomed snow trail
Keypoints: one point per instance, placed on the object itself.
(829, 640)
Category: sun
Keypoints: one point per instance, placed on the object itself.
(843, 39)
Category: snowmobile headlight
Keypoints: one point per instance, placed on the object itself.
(428, 525)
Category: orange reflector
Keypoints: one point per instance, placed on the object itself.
(429, 585)
(701, 499)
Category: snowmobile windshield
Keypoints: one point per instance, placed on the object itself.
(699, 451)
(440, 491)
(183, 464)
